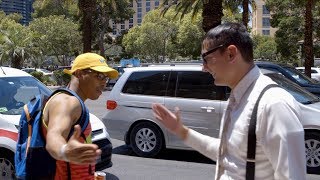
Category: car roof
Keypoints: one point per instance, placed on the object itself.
(274, 63)
(304, 67)
(12, 72)
(165, 67)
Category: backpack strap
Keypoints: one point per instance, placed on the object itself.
(252, 139)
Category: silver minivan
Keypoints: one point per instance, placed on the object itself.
(129, 116)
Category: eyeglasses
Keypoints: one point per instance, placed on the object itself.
(209, 52)
(100, 76)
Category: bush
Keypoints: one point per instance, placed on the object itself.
(39, 75)
(62, 79)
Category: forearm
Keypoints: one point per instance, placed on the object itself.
(206, 145)
(54, 145)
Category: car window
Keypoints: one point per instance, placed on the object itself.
(147, 83)
(300, 77)
(198, 85)
(45, 71)
(300, 94)
(17, 91)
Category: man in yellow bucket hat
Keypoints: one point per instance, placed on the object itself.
(75, 157)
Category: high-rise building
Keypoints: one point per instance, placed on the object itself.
(23, 7)
(141, 7)
(261, 20)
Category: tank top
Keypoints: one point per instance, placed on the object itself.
(78, 172)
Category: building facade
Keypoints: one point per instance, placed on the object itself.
(261, 20)
(141, 7)
(23, 7)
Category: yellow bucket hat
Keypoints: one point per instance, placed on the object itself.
(92, 61)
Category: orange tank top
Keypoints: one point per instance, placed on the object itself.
(77, 172)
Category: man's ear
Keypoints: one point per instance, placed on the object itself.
(232, 52)
(78, 73)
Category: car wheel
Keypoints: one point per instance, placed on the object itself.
(146, 139)
(312, 144)
(7, 170)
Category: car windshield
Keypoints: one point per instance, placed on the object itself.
(17, 91)
(300, 94)
(299, 76)
(45, 71)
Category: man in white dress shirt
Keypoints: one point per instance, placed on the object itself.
(227, 53)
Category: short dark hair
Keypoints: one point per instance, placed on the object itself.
(231, 34)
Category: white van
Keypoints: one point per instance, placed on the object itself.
(130, 118)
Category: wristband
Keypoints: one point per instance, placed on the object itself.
(63, 154)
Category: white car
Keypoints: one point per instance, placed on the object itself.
(17, 88)
(44, 71)
(315, 72)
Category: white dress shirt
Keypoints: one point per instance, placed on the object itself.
(280, 150)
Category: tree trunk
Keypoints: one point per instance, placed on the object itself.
(16, 62)
(245, 13)
(87, 7)
(212, 14)
(102, 31)
(308, 39)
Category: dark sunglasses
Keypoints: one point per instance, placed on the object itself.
(209, 52)
(100, 76)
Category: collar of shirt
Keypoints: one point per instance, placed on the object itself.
(244, 83)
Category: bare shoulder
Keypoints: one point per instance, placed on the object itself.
(65, 104)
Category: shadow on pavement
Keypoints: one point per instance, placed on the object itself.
(110, 176)
(168, 154)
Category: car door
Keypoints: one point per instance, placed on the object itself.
(201, 103)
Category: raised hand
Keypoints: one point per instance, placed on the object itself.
(80, 153)
(172, 121)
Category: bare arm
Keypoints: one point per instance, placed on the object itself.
(63, 112)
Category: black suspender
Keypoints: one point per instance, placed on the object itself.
(252, 139)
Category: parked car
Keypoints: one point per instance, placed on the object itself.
(315, 72)
(293, 74)
(44, 71)
(17, 88)
(130, 118)
(112, 82)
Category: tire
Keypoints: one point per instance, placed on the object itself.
(312, 145)
(146, 139)
(7, 171)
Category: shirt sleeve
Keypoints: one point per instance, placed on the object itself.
(282, 137)
(204, 144)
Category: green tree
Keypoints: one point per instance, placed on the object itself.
(165, 37)
(154, 36)
(15, 45)
(56, 36)
(93, 16)
(118, 11)
(189, 36)
(264, 47)
(211, 10)
(290, 19)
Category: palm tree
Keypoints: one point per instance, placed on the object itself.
(234, 4)
(87, 8)
(308, 39)
(211, 10)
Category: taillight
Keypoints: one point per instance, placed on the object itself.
(111, 105)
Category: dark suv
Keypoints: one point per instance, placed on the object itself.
(293, 74)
